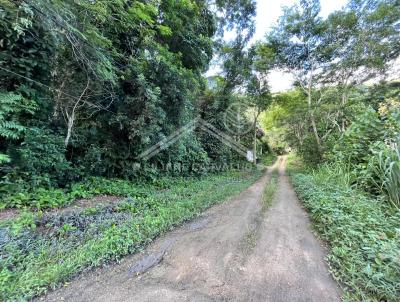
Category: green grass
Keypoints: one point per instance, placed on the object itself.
(269, 159)
(363, 234)
(41, 198)
(41, 251)
(270, 190)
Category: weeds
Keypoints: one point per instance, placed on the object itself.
(270, 190)
(294, 163)
(388, 170)
(269, 159)
(41, 198)
(363, 234)
(38, 251)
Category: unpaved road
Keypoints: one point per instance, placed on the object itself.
(234, 252)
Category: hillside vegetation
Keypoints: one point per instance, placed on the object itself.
(88, 87)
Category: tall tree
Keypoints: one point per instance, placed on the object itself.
(259, 96)
(112, 78)
(361, 42)
(297, 41)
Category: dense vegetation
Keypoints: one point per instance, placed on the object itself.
(332, 114)
(362, 233)
(87, 86)
(38, 250)
(342, 119)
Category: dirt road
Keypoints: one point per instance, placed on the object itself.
(234, 252)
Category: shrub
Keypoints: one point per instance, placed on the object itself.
(354, 145)
(39, 199)
(364, 236)
(39, 162)
(369, 149)
(309, 151)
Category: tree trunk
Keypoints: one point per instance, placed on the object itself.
(58, 101)
(344, 102)
(314, 124)
(311, 110)
(255, 145)
(256, 115)
(71, 117)
(70, 125)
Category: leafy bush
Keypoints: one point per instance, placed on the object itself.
(309, 152)
(13, 106)
(97, 186)
(39, 161)
(364, 236)
(369, 148)
(354, 145)
(268, 159)
(42, 198)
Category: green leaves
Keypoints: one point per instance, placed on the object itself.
(370, 148)
(12, 106)
(238, 16)
(44, 250)
(164, 30)
(143, 12)
(387, 173)
(363, 235)
(110, 78)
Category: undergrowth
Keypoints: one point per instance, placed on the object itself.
(269, 159)
(363, 233)
(42, 198)
(39, 250)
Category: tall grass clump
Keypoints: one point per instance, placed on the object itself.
(335, 174)
(387, 168)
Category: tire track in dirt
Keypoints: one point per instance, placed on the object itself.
(205, 260)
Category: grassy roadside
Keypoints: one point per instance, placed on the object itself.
(40, 251)
(363, 234)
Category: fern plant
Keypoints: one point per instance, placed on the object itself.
(11, 107)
